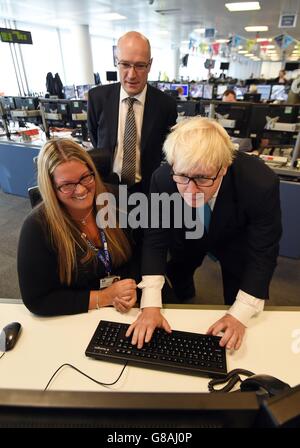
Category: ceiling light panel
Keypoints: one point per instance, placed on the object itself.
(256, 28)
(244, 6)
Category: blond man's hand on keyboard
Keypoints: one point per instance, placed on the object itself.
(233, 331)
(142, 329)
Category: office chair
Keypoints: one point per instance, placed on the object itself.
(103, 162)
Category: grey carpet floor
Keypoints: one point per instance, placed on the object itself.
(285, 285)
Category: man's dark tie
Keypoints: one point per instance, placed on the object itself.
(129, 146)
(207, 216)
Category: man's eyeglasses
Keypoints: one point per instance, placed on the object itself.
(69, 188)
(138, 67)
(200, 181)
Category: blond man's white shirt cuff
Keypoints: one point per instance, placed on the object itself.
(245, 307)
(151, 286)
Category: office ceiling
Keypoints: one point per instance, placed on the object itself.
(170, 21)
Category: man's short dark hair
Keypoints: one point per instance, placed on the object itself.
(229, 92)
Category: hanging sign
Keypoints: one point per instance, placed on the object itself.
(287, 21)
(15, 36)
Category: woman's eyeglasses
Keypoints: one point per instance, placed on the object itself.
(70, 187)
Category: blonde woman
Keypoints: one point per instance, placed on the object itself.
(66, 264)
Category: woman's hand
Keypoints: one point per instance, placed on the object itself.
(121, 294)
(144, 326)
(233, 330)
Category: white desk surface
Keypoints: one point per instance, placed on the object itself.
(271, 346)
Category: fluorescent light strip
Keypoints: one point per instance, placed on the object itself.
(256, 28)
(112, 16)
(264, 39)
(245, 6)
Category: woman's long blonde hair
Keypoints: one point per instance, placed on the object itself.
(64, 235)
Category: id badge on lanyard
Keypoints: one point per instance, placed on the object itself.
(105, 259)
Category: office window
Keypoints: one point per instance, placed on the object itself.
(42, 57)
(8, 80)
(102, 56)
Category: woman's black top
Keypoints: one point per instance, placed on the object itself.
(41, 289)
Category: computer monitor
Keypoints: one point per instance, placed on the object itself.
(183, 89)
(196, 90)
(57, 112)
(18, 102)
(279, 92)
(111, 76)
(69, 92)
(221, 88)
(240, 91)
(164, 86)
(207, 91)
(78, 106)
(264, 90)
(72, 409)
(262, 116)
(187, 108)
(82, 91)
(234, 117)
(30, 103)
(26, 109)
(290, 66)
(224, 66)
(8, 102)
(152, 83)
(252, 97)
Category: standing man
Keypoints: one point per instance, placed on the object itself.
(131, 119)
(242, 228)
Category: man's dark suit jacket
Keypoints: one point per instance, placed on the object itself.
(160, 113)
(244, 231)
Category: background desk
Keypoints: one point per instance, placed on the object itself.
(47, 343)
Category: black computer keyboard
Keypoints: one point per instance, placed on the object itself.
(181, 351)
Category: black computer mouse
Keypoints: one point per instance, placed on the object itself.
(9, 336)
(268, 383)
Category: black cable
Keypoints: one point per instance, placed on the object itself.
(2, 355)
(87, 376)
(231, 379)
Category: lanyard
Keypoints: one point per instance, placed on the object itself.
(102, 254)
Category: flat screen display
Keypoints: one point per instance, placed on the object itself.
(183, 89)
(224, 66)
(164, 86)
(264, 90)
(279, 93)
(82, 90)
(70, 92)
(196, 90)
(240, 91)
(207, 91)
(111, 76)
(220, 90)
